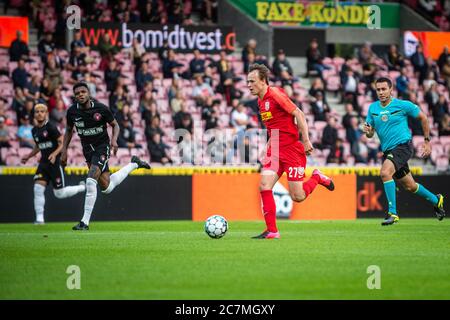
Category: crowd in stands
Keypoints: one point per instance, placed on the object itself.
(154, 93)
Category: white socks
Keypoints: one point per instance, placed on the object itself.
(68, 192)
(91, 196)
(119, 176)
(39, 202)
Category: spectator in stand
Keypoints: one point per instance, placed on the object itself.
(314, 59)
(349, 113)
(157, 150)
(183, 119)
(55, 98)
(77, 64)
(20, 75)
(78, 42)
(209, 11)
(432, 96)
(330, 134)
(251, 59)
(18, 102)
(149, 13)
(154, 128)
(91, 83)
(353, 132)
(197, 64)
(428, 8)
(419, 63)
(368, 73)
(27, 111)
(365, 54)
(143, 76)
(317, 86)
(227, 78)
(201, 90)
(175, 12)
(24, 133)
(239, 118)
(58, 114)
(127, 137)
(443, 57)
(444, 126)
(208, 76)
(429, 81)
(394, 59)
(170, 66)
(177, 102)
(118, 99)
(32, 90)
(105, 47)
(401, 83)
(137, 53)
(282, 69)
(446, 73)
(210, 113)
(358, 149)
(53, 74)
(4, 134)
(350, 88)
(320, 108)
(111, 75)
(18, 49)
(119, 10)
(46, 46)
(336, 154)
(147, 98)
(440, 109)
(150, 111)
(250, 47)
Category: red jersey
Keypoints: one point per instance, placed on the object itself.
(276, 111)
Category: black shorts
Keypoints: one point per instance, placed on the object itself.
(98, 156)
(400, 156)
(51, 172)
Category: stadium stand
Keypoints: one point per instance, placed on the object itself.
(228, 83)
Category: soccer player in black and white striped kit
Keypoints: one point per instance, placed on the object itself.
(48, 141)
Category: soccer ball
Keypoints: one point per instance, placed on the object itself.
(216, 226)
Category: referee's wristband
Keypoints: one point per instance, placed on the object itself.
(427, 139)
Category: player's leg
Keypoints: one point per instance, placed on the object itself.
(268, 180)
(39, 200)
(58, 180)
(108, 183)
(90, 197)
(409, 184)
(387, 173)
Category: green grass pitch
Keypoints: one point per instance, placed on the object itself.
(177, 260)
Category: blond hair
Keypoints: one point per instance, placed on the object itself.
(41, 106)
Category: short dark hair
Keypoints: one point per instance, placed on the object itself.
(384, 79)
(263, 71)
(80, 84)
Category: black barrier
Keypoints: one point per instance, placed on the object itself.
(208, 39)
(372, 203)
(137, 198)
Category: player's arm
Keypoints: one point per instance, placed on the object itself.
(54, 154)
(368, 128)
(115, 135)
(303, 128)
(66, 141)
(286, 103)
(33, 152)
(426, 148)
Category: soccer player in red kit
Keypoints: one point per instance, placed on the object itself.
(285, 152)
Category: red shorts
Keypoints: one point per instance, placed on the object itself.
(291, 159)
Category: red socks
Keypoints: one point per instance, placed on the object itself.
(269, 209)
(311, 184)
